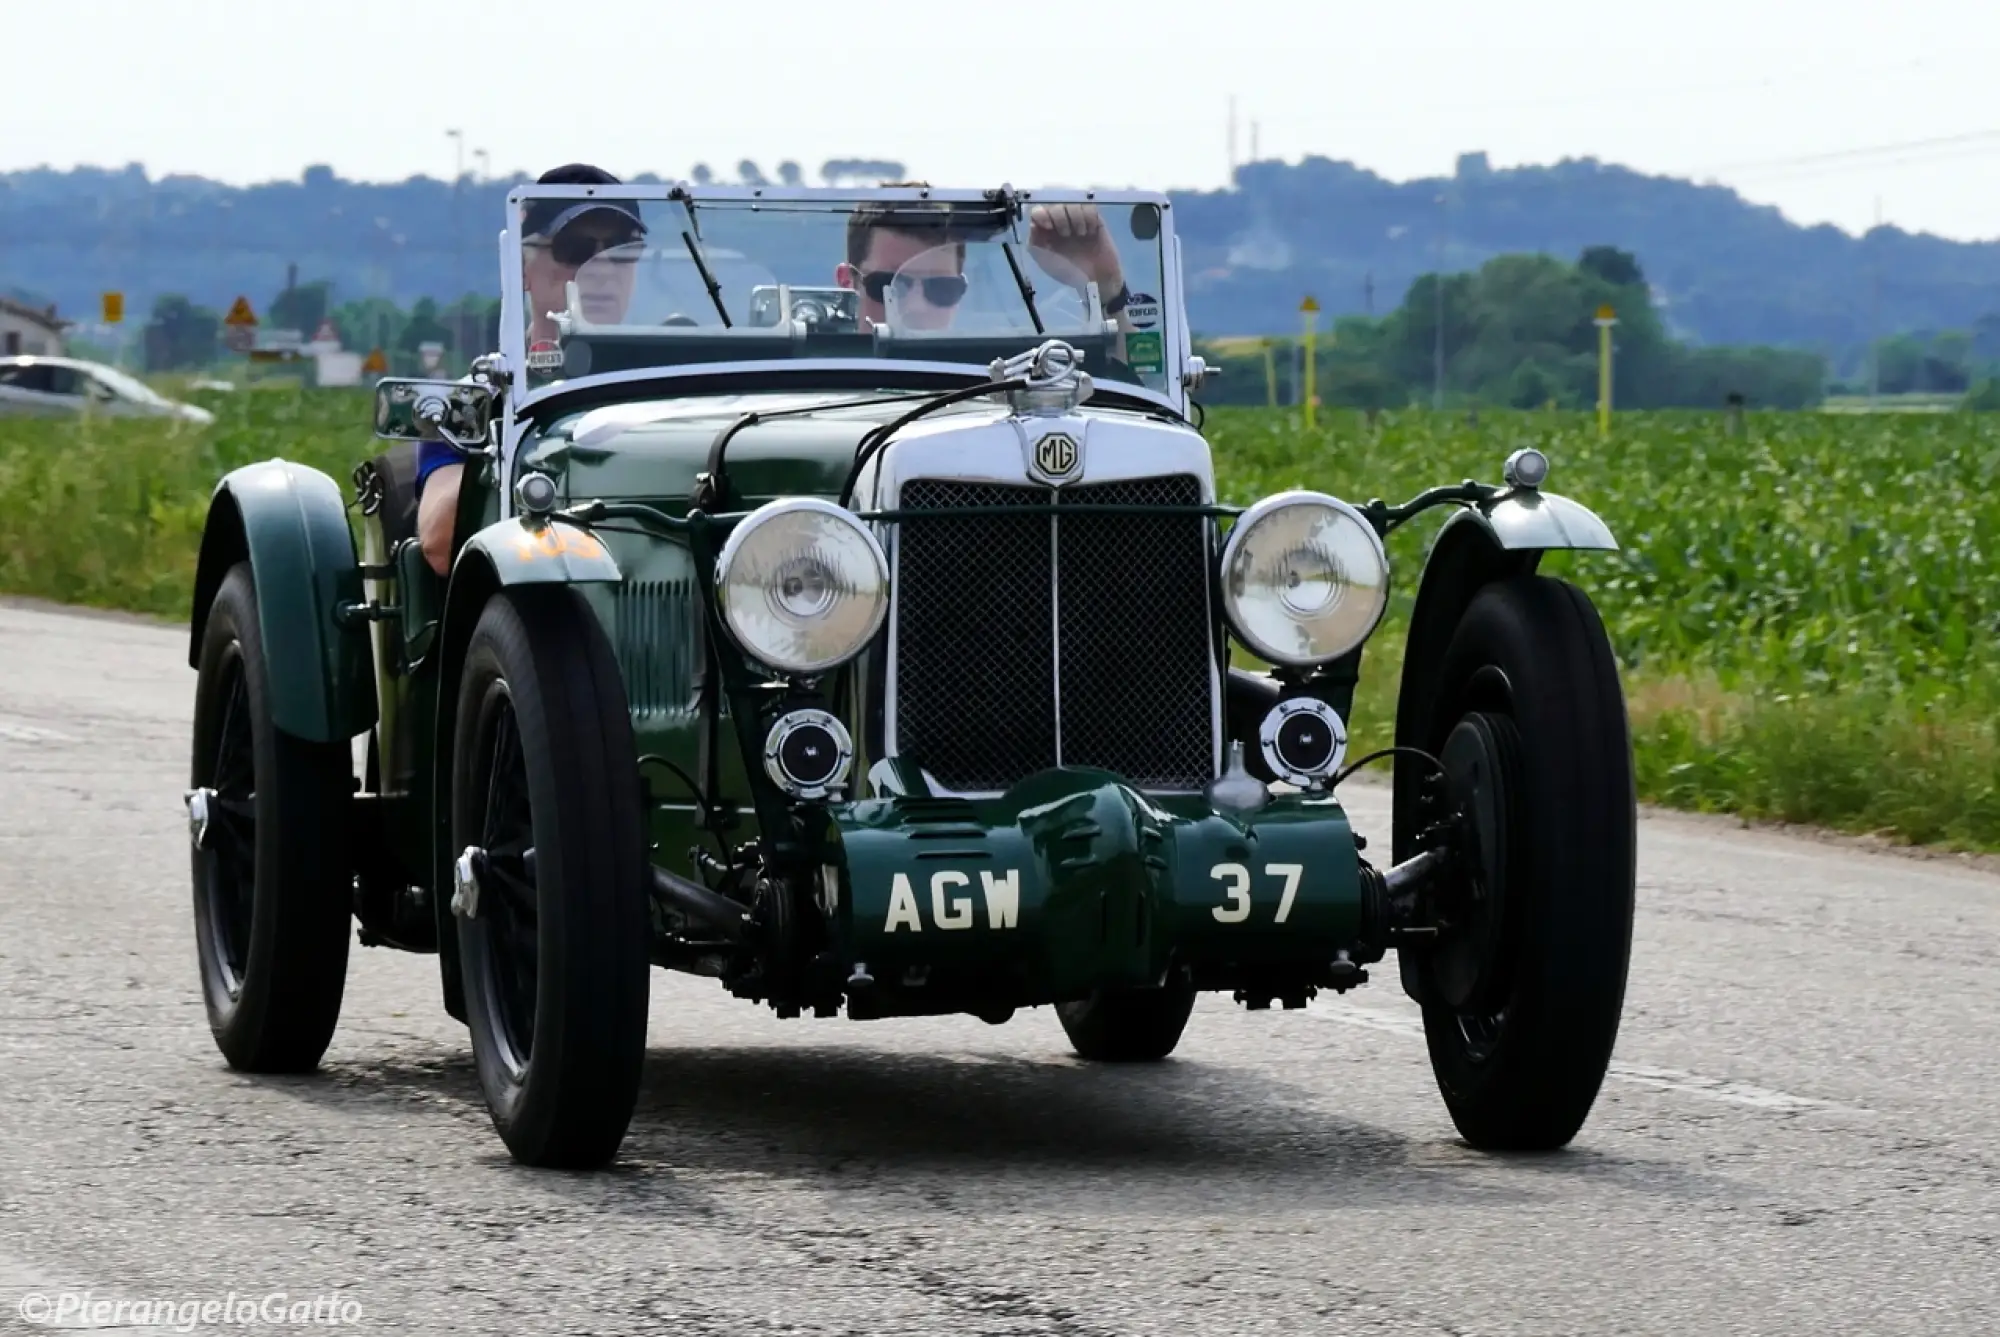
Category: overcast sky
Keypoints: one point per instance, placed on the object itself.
(1821, 109)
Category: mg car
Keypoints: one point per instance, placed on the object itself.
(841, 607)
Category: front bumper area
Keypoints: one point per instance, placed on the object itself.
(1074, 881)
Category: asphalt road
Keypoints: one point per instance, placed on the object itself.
(1800, 1134)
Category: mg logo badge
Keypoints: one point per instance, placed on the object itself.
(1058, 457)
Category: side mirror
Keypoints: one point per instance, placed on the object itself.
(458, 413)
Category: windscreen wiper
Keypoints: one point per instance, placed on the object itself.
(701, 266)
(1027, 288)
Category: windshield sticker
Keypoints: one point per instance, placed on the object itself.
(1144, 309)
(1145, 353)
(545, 355)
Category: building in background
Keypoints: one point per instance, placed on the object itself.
(26, 328)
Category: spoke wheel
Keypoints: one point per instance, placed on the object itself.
(507, 921)
(272, 887)
(553, 878)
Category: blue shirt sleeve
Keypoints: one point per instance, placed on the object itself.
(432, 456)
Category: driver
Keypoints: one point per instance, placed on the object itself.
(897, 244)
(558, 238)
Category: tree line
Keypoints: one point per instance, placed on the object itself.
(1723, 270)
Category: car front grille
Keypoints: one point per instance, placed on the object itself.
(1024, 642)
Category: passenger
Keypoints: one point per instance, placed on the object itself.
(905, 244)
(557, 238)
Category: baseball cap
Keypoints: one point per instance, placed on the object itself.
(545, 218)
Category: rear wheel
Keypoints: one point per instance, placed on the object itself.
(1524, 996)
(272, 884)
(1127, 1025)
(552, 879)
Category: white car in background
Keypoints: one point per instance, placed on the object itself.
(56, 386)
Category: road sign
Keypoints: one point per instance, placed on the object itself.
(1310, 305)
(1606, 316)
(326, 333)
(114, 307)
(376, 365)
(240, 313)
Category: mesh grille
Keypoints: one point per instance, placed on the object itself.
(1137, 657)
(975, 679)
(975, 682)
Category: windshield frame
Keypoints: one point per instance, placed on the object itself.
(513, 326)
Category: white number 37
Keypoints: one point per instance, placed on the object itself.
(1237, 886)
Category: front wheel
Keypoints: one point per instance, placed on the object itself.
(272, 882)
(1522, 1001)
(551, 879)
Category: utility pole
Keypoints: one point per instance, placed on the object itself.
(457, 209)
(473, 330)
(1232, 139)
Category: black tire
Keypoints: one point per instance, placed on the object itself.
(1530, 684)
(555, 959)
(273, 889)
(1127, 1025)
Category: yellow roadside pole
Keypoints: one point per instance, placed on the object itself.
(114, 314)
(1606, 318)
(1310, 309)
(1270, 373)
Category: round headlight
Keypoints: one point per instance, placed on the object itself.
(1305, 578)
(803, 585)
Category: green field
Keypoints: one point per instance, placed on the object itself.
(1805, 612)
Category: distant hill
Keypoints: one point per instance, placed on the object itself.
(1723, 270)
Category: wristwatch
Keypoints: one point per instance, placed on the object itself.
(1119, 300)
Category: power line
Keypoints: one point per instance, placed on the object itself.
(1850, 155)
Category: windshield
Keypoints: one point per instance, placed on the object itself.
(618, 284)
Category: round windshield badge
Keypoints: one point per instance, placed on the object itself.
(1058, 457)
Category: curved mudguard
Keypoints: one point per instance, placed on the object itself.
(1522, 520)
(289, 521)
(1073, 881)
(546, 554)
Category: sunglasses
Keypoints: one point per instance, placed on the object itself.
(573, 249)
(939, 289)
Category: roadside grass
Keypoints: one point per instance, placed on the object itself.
(1805, 613)
(108, 512)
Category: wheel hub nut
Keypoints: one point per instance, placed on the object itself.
(465, 882)
(198, 815)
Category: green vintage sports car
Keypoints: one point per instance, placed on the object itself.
(841, 608)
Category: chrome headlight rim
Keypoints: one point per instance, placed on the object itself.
(1239, 533)
(740, 535)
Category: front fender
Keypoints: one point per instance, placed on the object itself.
(1519, 521)
(547, 554)
(289, 522)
